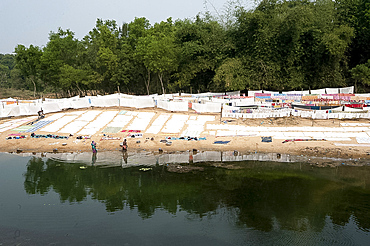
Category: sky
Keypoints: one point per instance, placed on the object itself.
(30, 21)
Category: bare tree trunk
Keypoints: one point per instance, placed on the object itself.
(34, 87)
(160, 76)
(80, 92)
(147, 83)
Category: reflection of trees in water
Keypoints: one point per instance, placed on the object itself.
(262, 197)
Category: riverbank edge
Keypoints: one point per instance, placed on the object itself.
(314, 160)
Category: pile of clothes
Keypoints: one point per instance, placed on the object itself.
(83, 137)
(16, 137)
(187, 138)
(33, 135)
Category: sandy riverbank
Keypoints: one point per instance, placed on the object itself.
(151, 142)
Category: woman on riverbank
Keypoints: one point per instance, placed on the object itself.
(93, 147)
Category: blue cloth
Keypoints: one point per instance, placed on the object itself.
(266, 139)
(40, 124)
(221, 142)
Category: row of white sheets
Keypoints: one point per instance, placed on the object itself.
(286, 129)
(158, 123)
(339, 136)
(365, 140)
(90, 115)
(56, 116)
(76, 125)
(15, 123)
(354, 124)
(175, 123)
(300, 113)
(121, 121)
(97, 124)
(141, 121)
(61, 120)
(256, 115)
(195, 125)
(58, 124)
(82, 122)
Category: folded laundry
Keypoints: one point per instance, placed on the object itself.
(308, 139)
(221, 142)
(110, 138)
(16, 137)
(135, 135)
(33, 135)
(83, 137)
(131, 131)
(266, 139)
(187, 138)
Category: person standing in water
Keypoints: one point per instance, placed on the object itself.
(124, 145)
(93, 147)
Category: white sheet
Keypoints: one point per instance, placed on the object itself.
(55, 126)
(158, 123)
(175, 124)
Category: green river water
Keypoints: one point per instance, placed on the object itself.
(46, 201)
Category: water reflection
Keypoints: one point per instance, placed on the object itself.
(264, 196)
(151, 158)
(93, 158)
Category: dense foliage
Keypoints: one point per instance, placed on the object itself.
(278, 45)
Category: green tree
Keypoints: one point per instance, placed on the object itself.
(361, 73)
(293, 44)
(16, 79)
(7, 63)
(62, 49)
(4, 75)
(203, 45)
(157, 51)
(230, 76)
(356, 14)
(102, 55)
(28, 62)
(70, 76)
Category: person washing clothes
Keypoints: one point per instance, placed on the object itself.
(124, 145)
(93, 147)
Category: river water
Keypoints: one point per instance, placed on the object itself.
(106, 200)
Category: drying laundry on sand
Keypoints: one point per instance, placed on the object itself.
(131, 131)
(16, 137)
(266, 139)
(135, 135)
(83, 137)
(33, 135)
(221, 142)
(110, 138)
(298, 140)
(187, 138)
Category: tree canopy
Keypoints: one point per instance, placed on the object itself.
(277, 45)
